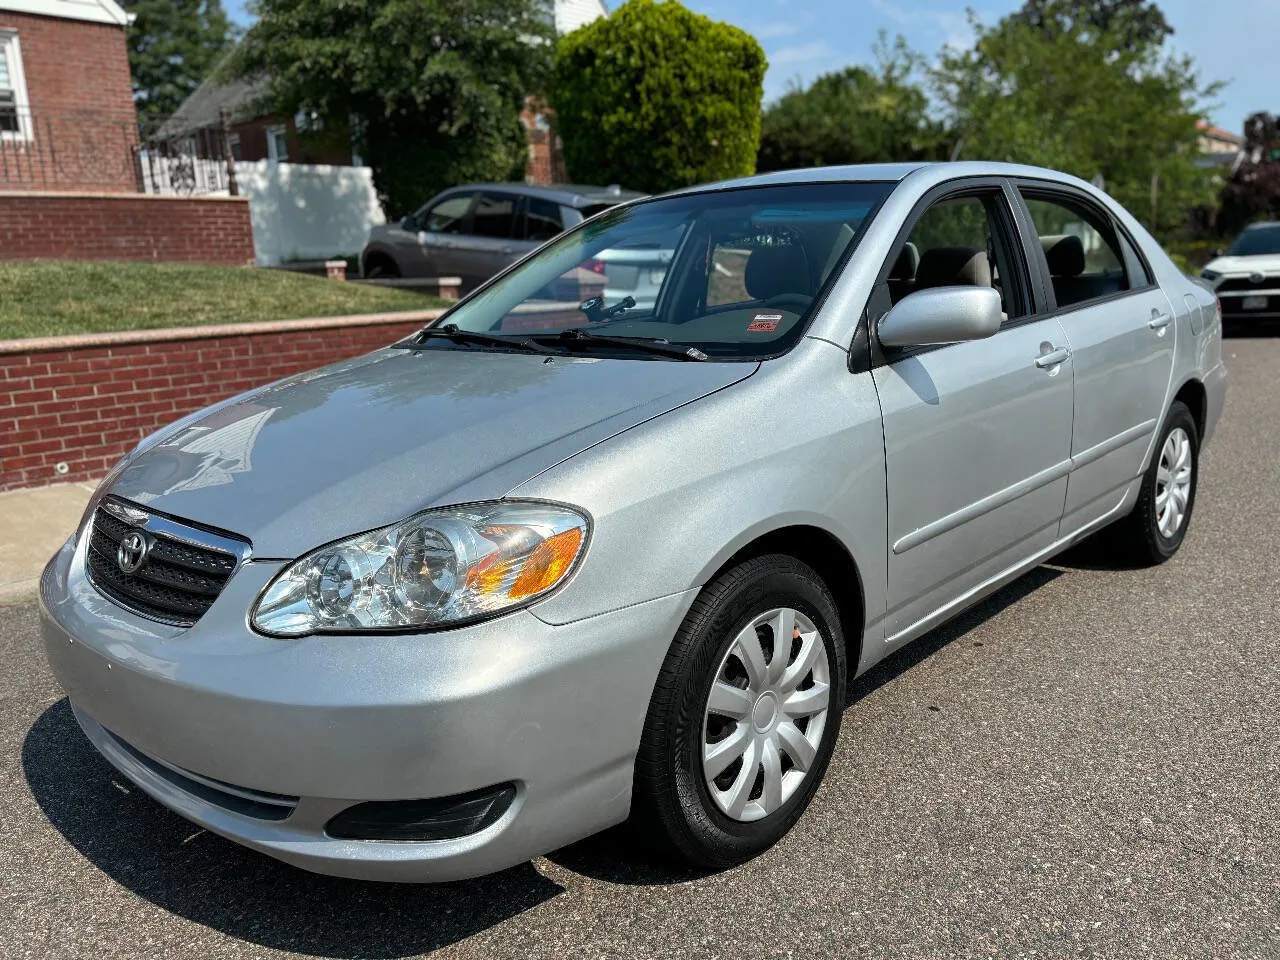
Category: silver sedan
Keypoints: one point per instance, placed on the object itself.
(565, 559)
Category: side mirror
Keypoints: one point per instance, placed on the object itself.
(409, 224)
(941, 315)
(1219, 252)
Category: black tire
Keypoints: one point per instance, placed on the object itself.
(671, 799)
(381, 268)
(1137, 538)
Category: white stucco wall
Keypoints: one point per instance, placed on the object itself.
(307, 212)
(572, 14)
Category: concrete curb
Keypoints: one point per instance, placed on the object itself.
(167, 334)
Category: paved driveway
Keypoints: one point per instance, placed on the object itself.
(1088, 764)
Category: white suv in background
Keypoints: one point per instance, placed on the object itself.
(1247, 277)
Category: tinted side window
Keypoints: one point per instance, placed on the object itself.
(541, 219)
(1080, 249)
(494, 216)
(447, 215)
(1133, 265)
(958, 242)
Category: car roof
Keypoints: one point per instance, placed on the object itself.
(568, 194)
(1262, 225)
(935, 171)
(846, 172)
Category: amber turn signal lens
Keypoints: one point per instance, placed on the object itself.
(547, 564)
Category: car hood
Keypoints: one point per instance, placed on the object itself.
(370, 441)
(1268, 263)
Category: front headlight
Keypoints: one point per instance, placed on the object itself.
(435, 569)
(1213, 276)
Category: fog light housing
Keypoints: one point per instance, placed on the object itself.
(441, 818)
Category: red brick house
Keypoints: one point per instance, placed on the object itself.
(253, 133)
(67, 120)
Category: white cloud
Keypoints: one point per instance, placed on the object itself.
(801, 53)
(951, 25)
(779, 28)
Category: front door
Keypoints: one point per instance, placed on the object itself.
(489, 243)
(977, 434)
(1121, 330)
(431, 252)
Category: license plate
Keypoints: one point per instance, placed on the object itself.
(1254, 303)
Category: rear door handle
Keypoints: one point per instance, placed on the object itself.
(1052, 358)
(1159, 321)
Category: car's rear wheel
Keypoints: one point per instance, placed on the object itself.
(744, 715)
(1154, 531)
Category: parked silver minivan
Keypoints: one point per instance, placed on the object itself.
(561, 560)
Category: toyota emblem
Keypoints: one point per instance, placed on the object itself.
(1256, 277)
(132, 552)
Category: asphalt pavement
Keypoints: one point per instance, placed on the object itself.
(1088, 764)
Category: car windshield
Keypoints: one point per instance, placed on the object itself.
(1257, 241)
(734, 274)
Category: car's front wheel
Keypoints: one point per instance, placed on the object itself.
(744, 715)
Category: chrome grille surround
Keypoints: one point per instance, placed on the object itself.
(185, 568)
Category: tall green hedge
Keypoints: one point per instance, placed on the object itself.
(656, 97)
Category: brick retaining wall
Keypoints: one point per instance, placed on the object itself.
(95, 226)
(83, 402)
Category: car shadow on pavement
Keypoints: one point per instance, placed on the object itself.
(200, 876)
(615, 856)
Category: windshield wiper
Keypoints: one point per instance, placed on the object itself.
(664, 348)
(597, 312)
(451, 331)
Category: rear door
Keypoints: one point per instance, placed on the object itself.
(977, 434)
(1120, 329)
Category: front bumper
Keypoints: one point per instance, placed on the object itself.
(333, 721)
(1233, 302)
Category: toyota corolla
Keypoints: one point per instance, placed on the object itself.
(561, 560)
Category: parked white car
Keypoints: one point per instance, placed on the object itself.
(1247, 277)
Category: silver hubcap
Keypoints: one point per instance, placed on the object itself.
(1173, 483)
(765, 715)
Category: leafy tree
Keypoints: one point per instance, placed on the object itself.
(435, 87)
(1253, 192)
(173, 46)
(854, 115)
(656, 97)
(1087, 101)
(1133, 22)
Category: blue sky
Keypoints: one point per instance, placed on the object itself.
(1231, 40)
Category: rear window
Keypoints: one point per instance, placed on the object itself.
(735, 273)
(591, 209)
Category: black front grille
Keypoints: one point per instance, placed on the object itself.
(177, 582)
(1244, 284)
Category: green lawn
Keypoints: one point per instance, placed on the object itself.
(53, 298)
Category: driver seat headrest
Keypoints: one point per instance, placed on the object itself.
(776, 269)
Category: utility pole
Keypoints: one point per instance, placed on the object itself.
(1155, 198)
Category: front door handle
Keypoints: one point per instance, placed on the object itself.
(1159, 321)
(1052, 358)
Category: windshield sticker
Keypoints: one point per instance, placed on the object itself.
(764, 323)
